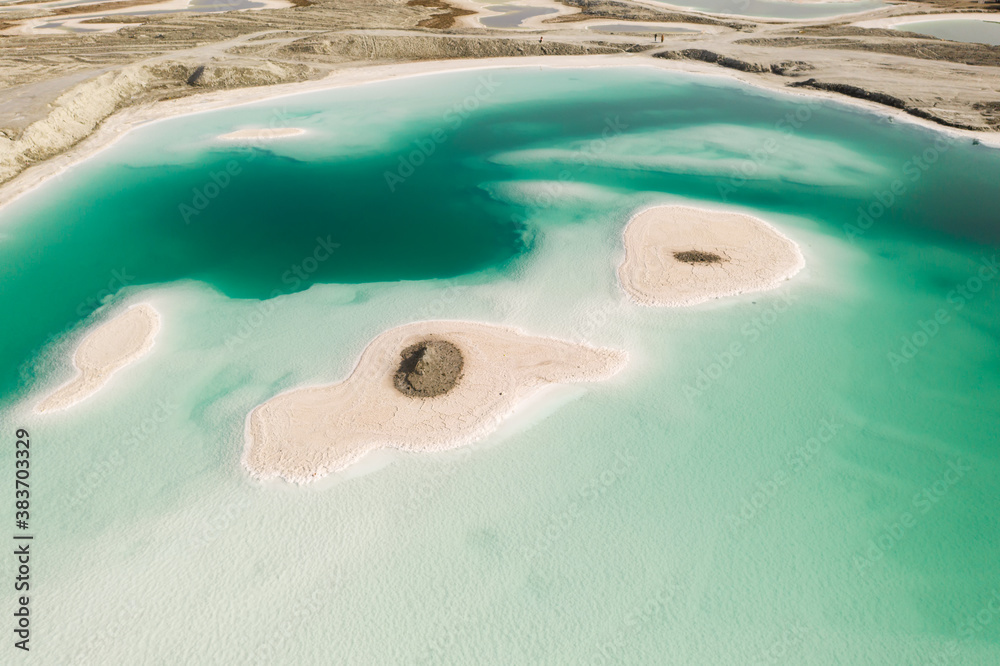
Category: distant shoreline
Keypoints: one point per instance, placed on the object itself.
(894, 21)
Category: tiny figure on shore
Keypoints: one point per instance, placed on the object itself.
(540, 38)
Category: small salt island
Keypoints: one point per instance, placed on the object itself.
(110, 347)
(425, 386)
(263, 134)
(678, 255)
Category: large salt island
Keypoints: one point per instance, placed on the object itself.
(678, 255)
(110, 347)
(424, 386)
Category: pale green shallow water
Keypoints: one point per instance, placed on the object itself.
(602, 525)
(968, 30)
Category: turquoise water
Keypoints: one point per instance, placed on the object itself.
(971, 30)
(805, 476)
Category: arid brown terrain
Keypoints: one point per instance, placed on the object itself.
(55, 89)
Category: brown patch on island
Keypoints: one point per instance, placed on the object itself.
(697, 257)
(428, 368)
(678, 256)
(306, 433)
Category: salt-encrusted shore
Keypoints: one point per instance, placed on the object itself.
(107, 349)
(53, 24)
(263, 134)
(306, 433)
(115, 127)
(677, 256)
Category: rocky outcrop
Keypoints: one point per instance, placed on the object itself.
(354, 47)
(790, 67)
(714, 58)
(428, 368)
(877, 97)
(76, 114)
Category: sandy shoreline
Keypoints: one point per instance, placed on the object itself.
(104, 351)
(308, 432)
(121, 123)
(677, 256)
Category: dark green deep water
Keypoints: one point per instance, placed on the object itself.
(106, 223)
